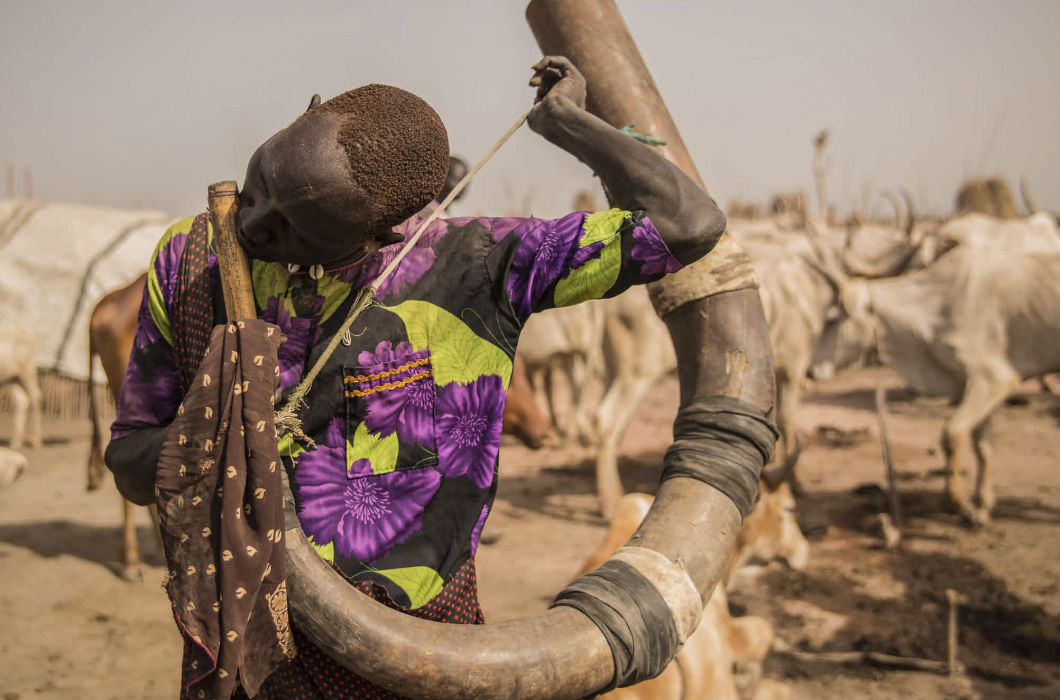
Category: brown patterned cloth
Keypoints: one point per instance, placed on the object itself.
(220, 507)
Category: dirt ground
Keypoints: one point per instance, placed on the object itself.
(73, 629)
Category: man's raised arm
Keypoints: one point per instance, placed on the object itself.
(635, 175)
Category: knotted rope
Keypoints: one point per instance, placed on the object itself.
(287, 420)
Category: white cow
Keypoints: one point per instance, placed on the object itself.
(1035, 233)
(882, 252)
(623, 341)
(19, 373)
(638, 352)
(971, 326)
(561, 349)
(636, 348)
(799, 302)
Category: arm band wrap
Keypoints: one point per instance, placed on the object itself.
(633, 617)
(723, 442)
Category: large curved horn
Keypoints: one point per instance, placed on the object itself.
(557, 654)
(893, 266)
(858, 268)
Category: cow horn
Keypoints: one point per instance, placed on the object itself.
(893, 199)
(1028, 201)
(910, 223)
(822, 261)
(557, 654)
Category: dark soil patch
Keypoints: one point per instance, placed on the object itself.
(1002, 638)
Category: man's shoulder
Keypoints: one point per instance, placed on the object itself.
(174, 238)
(180, 227)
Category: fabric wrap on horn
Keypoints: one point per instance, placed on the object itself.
(632, 615)
(724, 442)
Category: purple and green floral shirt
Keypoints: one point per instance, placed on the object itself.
(407, 416)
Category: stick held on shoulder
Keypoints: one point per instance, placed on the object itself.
(223, 205)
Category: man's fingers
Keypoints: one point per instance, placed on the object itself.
(546, 78)
(558, 61)
(540, 64)
(559, 64)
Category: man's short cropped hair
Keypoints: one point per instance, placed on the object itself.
(397, 148)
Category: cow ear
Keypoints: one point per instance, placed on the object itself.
(314, 102)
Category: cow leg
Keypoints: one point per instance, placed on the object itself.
(984, 497)
(608, 481)
(583, 421)
(157, 527)
(20, 403)
(538, 377)
(96, 466)
(131, 568)
(32, 387)
(560, 396)
(983, 393)
(616, 411)
(789, 392)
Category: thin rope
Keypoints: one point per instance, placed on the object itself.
(287, 420)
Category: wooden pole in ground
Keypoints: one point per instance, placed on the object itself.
(888, 460)
(954, 599)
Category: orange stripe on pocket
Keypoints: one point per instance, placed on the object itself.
(355, 378)
(351, 393)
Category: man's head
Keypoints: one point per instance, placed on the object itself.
(323, 189)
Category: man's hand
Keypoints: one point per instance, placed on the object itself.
(559, 86)
(635, 175)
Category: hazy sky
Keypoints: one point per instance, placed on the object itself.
(128, 102)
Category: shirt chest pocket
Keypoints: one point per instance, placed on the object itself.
(390, 409)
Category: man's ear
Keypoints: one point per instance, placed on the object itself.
(314, 102)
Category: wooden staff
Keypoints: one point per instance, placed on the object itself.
(223, 205)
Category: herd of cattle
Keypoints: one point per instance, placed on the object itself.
(966, 308)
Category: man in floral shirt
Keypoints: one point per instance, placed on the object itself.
(406, 415)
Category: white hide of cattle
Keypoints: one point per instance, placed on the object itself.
(637, 350)
(12, 464)
(1037, 233)
(621, 338)
(799, 301)
(876, 251)
(970, 327)
(561, 351)
(724, 655)
(19, 373)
